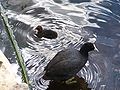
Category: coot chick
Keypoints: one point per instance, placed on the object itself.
(67, 63)
(45, 33)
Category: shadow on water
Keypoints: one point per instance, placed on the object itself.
(80, 85)
(76, 22)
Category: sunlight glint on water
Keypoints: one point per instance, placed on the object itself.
(76, 23)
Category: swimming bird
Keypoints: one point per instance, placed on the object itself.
(67, 63)
(45, 33)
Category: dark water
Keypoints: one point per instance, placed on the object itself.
(76, 22)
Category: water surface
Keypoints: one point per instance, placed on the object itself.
(76, 22)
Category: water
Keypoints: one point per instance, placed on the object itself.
(76, 22)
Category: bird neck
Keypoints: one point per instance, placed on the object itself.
(83, 52)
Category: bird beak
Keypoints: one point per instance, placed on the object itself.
(96, 48)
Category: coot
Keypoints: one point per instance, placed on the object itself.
(67, 63)
(45, 33)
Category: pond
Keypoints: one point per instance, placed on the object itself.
(76, 22)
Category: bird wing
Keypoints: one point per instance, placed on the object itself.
(63, 69)
(57, 58)
(65, 64)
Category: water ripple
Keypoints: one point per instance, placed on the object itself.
(75, 23)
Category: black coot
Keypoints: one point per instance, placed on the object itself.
(67, 63)
(45, 33)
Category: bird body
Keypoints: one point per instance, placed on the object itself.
(66, 64)
(45, 33)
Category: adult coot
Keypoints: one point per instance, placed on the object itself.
(67, 63)
(45, 33)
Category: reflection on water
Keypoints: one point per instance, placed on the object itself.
(76, 22)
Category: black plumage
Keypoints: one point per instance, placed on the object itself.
(40, 32)
(67, 63)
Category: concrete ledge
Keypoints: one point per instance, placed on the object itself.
(8, 79)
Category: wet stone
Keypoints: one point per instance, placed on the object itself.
(81, 84)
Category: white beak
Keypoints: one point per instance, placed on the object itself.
(96, 48)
